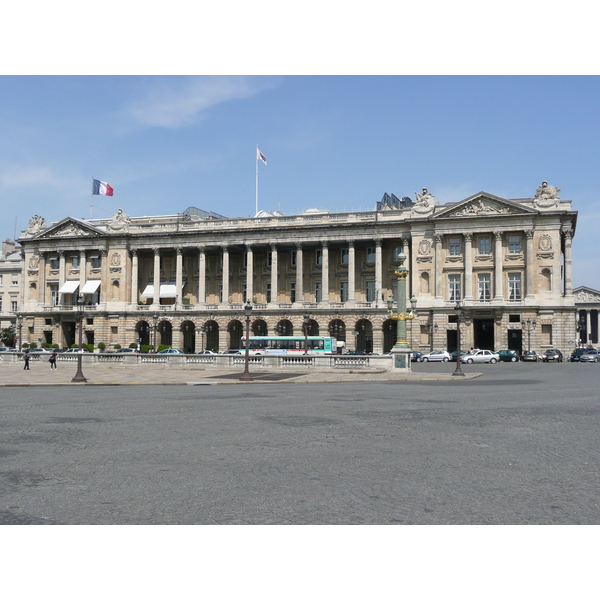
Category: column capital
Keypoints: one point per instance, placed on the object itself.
(498, 235)
(273, 246)
(248, 246)
(324, 244)
(438, 238)
(178, 250)
(104, 252)
(298, 245)
(156, 250)
(529, 234)
(133, 252)
(567, 234)
(350, 243)
(468, 236)
(60, 252)
(377, 241)
(225, 247)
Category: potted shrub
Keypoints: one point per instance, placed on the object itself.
(116, 346)
(101, 346)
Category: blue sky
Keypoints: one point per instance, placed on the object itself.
(165, 143)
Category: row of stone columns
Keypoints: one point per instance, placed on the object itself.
(250, 273)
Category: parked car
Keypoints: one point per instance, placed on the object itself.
(355, 353)
(206, 352)
(529, 356)
(75, 350)
(508, 356)
(124, 350)
(38, 350)
(453, 355)
(552, 355)
(435, 356)
(414, 356)
(231, 351)
(170, 351)
(7, 349)
(577, 353)
(480, 356)
(589, 356)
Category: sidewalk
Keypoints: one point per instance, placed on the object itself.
(110, 374)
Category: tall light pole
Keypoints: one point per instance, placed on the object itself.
(401, 350)
(305, 324)
(458, 372)
(155, 327)
(79, 377)
(528, 326)
(248, 311)
(201, 330)
(20, 329)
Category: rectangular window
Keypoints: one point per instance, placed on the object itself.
(292, 292)
(318, 257)
(48, 321)
(54, 262)
(454, 287)
(514, 318)
(484, 245)
(0, 279)
(54, 294)
(244, 293)
(318, 291)
(514, 286)
(0, 304)
(396, 253)
(96, 261)
(547, 335)
(13, 305)
(293, 256)
(484, 284)
(371, 254)
(454, 246)
(344, 257)
(75, 261)
(371, 291)
(269, 259)
(15, 280)
(514, 244)
(394, 289)
(91, 322)
(245, 261)
(343, 291)
(220, 293)
(268, 294)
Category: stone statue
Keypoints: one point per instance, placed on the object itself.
(36, 223)
(546, 196)
(119, 222)
(424, 203)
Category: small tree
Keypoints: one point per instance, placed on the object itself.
(8, 336)
(33, 345)
(133, 345)
(116, 346)
(101, 346)
(55, 346)
(25, 345)
(162, 347)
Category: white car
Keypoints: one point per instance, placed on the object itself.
(436, 355)
(480, 356)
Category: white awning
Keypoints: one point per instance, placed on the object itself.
(69, 287)
(168, 290)
(149, 291)
(91, 285)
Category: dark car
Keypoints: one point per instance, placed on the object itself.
(577, 353)
(415, 356)
(453, 355)
(529, 356)
(356, 353)
(552, 355)
(508, 355)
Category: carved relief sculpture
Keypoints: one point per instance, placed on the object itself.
(546, 196)
(424, 203)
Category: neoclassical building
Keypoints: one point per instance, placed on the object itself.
(184, 277)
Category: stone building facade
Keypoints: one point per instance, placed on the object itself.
(10, 283)
(184, 278)
(587, 301)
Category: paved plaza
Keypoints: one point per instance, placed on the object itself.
(516, 445)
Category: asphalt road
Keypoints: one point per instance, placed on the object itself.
(518, 445)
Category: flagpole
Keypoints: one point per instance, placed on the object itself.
(92, 199)
(256, 179)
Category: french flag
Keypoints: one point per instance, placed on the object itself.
(101, 188)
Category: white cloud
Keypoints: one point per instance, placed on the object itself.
(175, 102)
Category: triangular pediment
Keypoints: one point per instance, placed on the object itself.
(585, 294)
(69, 227)
(484, 205)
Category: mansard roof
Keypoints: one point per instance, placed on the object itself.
(484, 204)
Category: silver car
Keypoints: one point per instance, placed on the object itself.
(436, 355)
(480, 356)
(590, 356)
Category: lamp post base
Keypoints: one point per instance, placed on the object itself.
(246, 377)
(79, 378)
(401, 358)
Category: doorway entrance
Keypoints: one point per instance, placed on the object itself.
(451, 338)
(515, 340)
(483, 333)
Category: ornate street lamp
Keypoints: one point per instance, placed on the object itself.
(19, 329)
(528, 326)
(155, 328)
(305, 325)
(248, 311)
(401, 350)
(458, 371)
(79, 377)
(201, 329)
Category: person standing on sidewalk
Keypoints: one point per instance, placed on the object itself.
(26, 360)
(52, 359)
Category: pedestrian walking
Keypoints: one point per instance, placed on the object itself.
(52, 359)
(26, 360)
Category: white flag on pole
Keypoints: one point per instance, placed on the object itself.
(260, 156)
